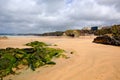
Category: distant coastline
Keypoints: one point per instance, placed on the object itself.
(16, 35)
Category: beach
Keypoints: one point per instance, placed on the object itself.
(89, 61)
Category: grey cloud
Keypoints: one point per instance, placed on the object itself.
(113, 3)
(38, 16)
(90, 11)
(109, 2)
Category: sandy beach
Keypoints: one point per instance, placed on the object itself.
(90, 61)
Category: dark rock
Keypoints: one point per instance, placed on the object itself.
(107, 40)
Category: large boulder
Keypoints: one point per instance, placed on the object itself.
(107, 40)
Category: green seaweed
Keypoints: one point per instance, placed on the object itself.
(39, 55)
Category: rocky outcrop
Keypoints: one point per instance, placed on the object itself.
(57, 33)
(107, 40)
(3, 37)
(72, 33)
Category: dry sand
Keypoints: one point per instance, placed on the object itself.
(90, 61)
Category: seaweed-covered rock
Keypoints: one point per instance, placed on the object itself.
(107, 40)
(38, 55)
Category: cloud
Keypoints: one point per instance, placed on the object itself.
(113, 3)
(38, 16)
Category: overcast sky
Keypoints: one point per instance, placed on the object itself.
(38, 16)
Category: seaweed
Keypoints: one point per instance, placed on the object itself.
(38, 55)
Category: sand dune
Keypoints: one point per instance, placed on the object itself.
(90, 61)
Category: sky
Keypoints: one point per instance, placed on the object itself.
(39, 16)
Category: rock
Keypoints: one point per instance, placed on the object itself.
(107, 40)
(20, 66)
(14, 69)
(72, 33)
(3, 37)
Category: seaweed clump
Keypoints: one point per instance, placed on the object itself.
(38, 55)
